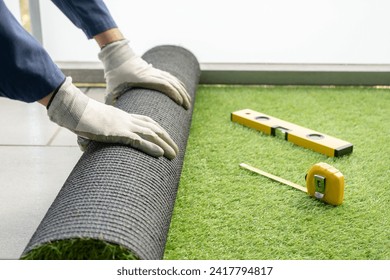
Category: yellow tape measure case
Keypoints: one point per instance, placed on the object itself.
(326, 183)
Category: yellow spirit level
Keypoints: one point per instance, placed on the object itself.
(323, 182)
(296, 134)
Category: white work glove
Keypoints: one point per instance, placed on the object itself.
(124, 69)
(93, 120)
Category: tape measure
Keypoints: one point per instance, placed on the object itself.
(323, 182)
(296, 134)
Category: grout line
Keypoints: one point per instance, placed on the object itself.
(53, 137)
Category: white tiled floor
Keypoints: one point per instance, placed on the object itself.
(36, 157)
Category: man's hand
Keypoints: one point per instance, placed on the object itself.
(93, 120)
(124, 69)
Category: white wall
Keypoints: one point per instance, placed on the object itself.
(261, 31)
(13, 6)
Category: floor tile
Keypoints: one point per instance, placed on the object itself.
(64, 137)
(24, 123)
(30, 179)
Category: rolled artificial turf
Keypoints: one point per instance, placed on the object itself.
(117, 202)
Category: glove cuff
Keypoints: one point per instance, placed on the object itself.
(54, 94)
(68, 105)
(115, 54)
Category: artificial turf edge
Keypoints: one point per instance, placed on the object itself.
(79, 249)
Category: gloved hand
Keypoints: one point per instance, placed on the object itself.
(124, 69)
(91, 119)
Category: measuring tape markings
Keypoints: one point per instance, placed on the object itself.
(323, 182)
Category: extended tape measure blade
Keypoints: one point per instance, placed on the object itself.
(273, 177)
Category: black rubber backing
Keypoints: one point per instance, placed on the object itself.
(118, 194)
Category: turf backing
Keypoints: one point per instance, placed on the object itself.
(224, 212)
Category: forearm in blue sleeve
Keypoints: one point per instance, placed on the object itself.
(27, 73)
(91, 16)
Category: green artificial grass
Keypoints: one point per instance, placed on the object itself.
(225, 212)
(80, 249)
